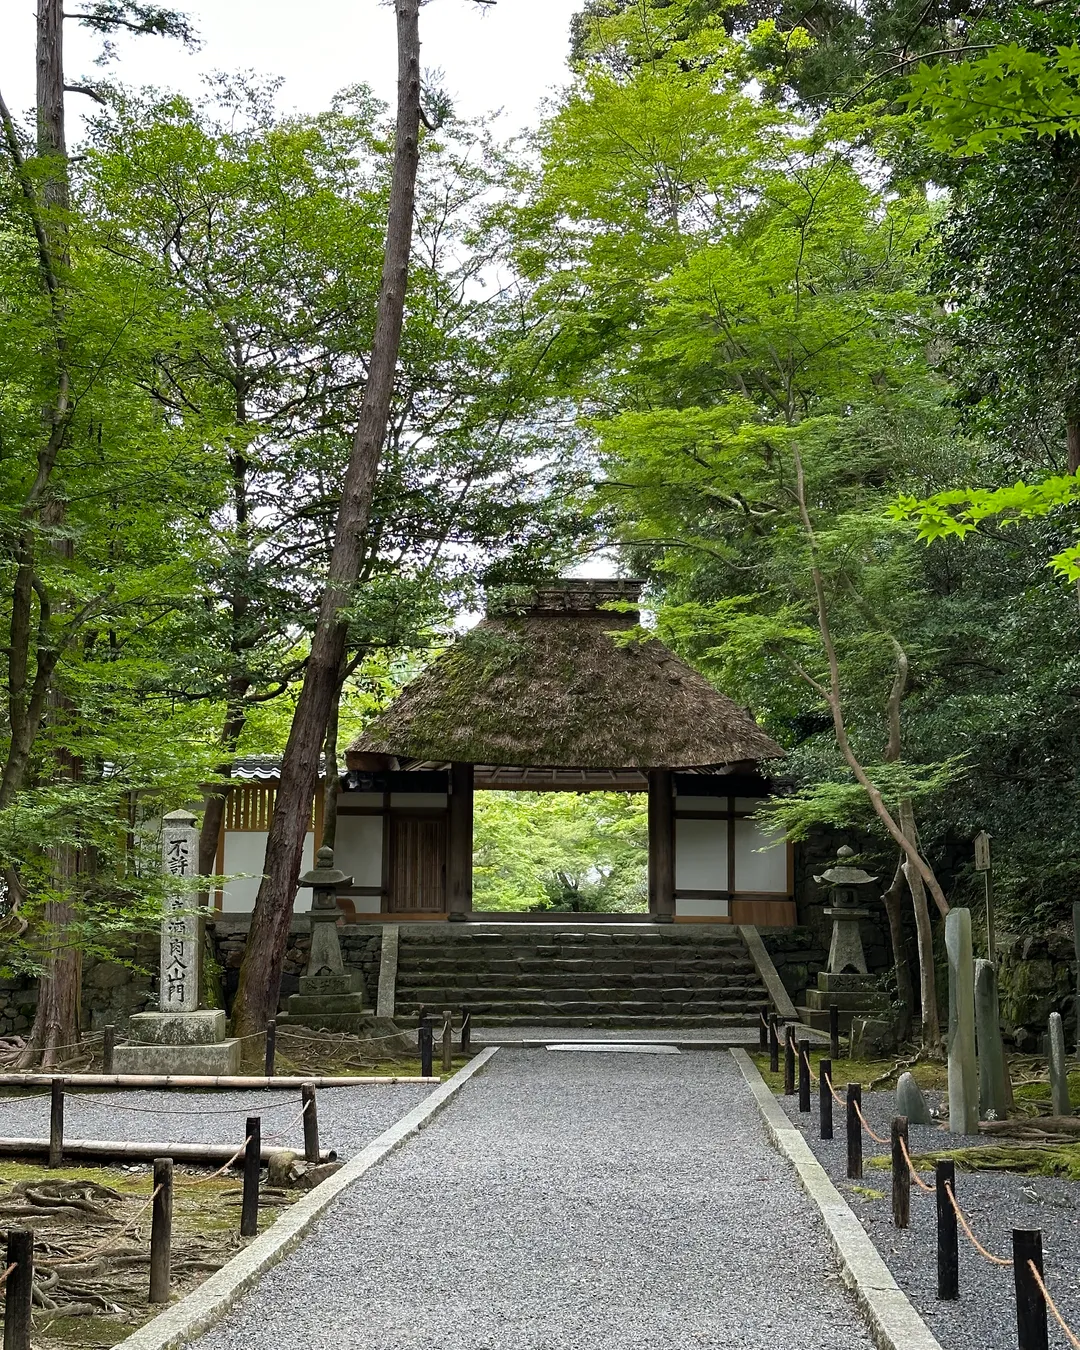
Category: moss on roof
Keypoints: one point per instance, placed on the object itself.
(555, 689)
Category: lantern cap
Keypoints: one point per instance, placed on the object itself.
(324, 873)
(845, 875)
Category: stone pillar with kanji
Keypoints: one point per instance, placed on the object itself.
(181, 938)
(181, 1038)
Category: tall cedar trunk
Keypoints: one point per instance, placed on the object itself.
(893, 899)
(1072, 441)
(218, 796)
(332, 784)
(56, 1020)
(931, 1026)
(260, 974)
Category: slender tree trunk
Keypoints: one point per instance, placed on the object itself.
(217, 797)
(931, 1027)
(1072, 442)
(332, 784)
(893, 900)
(260, 974)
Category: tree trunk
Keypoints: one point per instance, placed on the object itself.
(893, 900)
(1072, 441)
(332, 784)
(931, 1027)
(260, 974)
(218, 796)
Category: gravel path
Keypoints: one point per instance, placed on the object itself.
(349, 1118)
(566, 1202)
(984, 1317)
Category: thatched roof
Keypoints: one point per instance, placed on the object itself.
(548, 686)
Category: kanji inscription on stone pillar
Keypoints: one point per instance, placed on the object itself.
(179, 990)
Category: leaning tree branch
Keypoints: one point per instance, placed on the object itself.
(833, 699)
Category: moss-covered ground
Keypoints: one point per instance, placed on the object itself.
(101, 1251)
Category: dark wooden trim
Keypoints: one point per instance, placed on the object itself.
(731, 847)
(459, 839)
(661, 844)
(702, 895)
(384, 881)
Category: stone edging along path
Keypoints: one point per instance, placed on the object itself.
(894, 1323)
(198, 1311)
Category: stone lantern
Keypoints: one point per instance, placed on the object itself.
(846, 909)
(846, 984)
(324, 880)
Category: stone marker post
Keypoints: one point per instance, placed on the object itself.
(1076, 949)
(993, 1099)
(963, 1074)
(1059, 1070)
(180, 944)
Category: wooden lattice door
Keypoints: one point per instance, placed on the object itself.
(417, 864)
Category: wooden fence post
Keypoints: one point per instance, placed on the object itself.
(426, 1037)
(901, 1174)
(56, 1124)
(825, 1098)
(1030, 1304)
(804, 1076)
(108, 1045)
(763, 1027)
(19, 1290)
(447, 1041)
(271, 1047)
(774, 1046)
(311, 1124)
(948, 1248)
(161, 1231)
(466, 1031)
(789, 1061)
(834, 1031)
(249, 1212)
(854, 1132)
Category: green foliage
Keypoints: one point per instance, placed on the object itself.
(579, 852)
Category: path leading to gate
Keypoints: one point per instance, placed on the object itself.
(566, 1201)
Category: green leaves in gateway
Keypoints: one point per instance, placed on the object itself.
(563, 851)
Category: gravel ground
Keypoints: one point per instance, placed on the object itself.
(984, 1316)
(349, 1118)
(566, 1202)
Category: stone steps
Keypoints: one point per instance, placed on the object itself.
(632, 975)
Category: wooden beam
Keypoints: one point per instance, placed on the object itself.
(459, 840)
(661, 845)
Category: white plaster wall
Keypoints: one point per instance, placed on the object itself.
(765, 871)
(245, 851)
(701, 804)
(701, 855)
(701, 909)
(358, 851)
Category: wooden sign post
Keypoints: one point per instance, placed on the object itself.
(982, 864)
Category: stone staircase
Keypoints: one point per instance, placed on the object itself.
(579, 974)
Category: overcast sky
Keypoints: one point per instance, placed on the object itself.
(507, 56)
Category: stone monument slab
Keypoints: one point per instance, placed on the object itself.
(910, 1101)
(963, 1073)
(1059, 1069)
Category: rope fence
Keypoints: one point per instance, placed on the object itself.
(10, 1270)
(1033, 1299)
(201, 1181)
(78, 1258)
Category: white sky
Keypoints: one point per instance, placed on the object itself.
(510, 55)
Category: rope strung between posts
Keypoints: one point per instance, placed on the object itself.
(339, 1038)
(4, 1277)
(79, 1257)
(858, 1111)
(172, 1111)
(201, 1181)
(875, 1137)
(962, 1221)
(911, 1168)
(1051, 1304)
(295, 1120)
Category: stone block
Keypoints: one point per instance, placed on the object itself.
(216, 1060)
(843, 984)
(205, 1027)
(301, 1005)
(350, 982)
